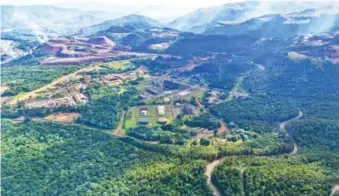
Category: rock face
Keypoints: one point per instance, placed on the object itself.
(63, 47)
(49, 48)
(60, 41)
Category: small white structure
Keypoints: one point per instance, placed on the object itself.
(161, 110)
(143, 112)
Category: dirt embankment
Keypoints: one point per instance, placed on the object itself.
(223, 127)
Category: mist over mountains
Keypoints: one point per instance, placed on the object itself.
(42, 22)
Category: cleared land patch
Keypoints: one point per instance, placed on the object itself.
(134, 115)
(62, 117)
(118, 65)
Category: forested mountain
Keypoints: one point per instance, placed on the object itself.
(200, 20)
(277, 25)
(131, 20)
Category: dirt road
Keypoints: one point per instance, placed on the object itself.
(199, 104)
(32, 94)
(118, 130)
(208, 172)
(335, 189)
(283, 124)
(222, 128)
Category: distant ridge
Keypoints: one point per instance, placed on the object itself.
(137, 21)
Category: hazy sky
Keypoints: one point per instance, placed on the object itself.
(174, 3)
(165, 11)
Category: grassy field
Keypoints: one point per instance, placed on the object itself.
(118, 65)
(133, 115)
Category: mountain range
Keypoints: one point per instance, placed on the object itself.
(137, 21)
(42, 22)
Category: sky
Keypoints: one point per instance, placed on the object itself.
(162, 10)
(170, 3)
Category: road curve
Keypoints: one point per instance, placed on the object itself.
(208, 172)
(283, 124)
(335, 189)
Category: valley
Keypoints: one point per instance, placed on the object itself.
(221, 101)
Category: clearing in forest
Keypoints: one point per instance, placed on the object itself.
(118, 65)
(152, 115)
(62, 117)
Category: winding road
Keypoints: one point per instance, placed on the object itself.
(210, 166)
(208, 172)
(283, 124)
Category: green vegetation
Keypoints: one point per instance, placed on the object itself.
(103, 110)
(160, 63)
(133, 115)
(316, 134)
(205, 120)
(318, 140)
(27, 78)
(271, 176)
(44, 158)
(49, 158)
(118, 66)
(255, 113)
(165, 134)
(222, 73)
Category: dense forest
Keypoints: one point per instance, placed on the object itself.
(223, 71)
(106, 105)
(205, 120)
(255, 113)
(271, 176)
(22, 78)
(164, 134)
(48, 158)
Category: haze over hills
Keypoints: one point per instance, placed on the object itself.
(199, 20)
(42, 22)
(135, 20)
(277, 25)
